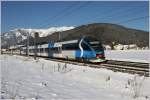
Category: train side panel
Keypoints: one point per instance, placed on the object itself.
(68, 54)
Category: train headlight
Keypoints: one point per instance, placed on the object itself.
(100, 56)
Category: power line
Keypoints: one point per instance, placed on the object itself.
(127, 14)
(71, 11)
(65, 12)
(104, 11)
(57, 14)
(134, 19)
(114, 13)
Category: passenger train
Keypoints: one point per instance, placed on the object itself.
(83, 49)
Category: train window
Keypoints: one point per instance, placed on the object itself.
(50, 49)
(38, 50)
(71, 46)
(46, 49)
(41, 50)
(31, 50)
(97, 46)
(85, 46)
(55, 50)
(35, 50)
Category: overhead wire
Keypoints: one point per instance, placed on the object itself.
(112, 13)
(71, 11)
(134, 19)
(66, 12)
(51, 18)
(127, 14)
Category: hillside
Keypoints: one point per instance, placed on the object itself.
(108, 34)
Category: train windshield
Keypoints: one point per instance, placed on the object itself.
(96, 45)
(90, 43)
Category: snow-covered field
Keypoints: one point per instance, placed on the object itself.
(25, 78)
(128, 55)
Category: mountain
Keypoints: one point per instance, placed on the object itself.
(110, 35)
(16, 36)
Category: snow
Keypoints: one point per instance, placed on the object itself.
(42, 32)
(26, 78)
(21, 34)
(49, 31)
(128, 55)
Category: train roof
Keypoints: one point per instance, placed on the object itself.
(90, 39)
(67, 42)
(59, 44)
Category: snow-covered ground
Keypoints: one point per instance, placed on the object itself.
(128, 55)
(25, 78)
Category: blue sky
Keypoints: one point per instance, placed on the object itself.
(40, 14)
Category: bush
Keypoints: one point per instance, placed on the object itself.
(62, 68)
(136, 85)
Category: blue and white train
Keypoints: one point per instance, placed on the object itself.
(83, 49)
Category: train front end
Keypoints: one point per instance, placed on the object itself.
(93, 50)
(98, 52)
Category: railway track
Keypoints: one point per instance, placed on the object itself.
(117, 66)
(130, 67)
(120, 66)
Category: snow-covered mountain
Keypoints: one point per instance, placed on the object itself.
(113, 36)
(17, 35)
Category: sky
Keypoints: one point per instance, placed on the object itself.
(45, 14)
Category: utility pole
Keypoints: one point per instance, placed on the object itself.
(27, 50)
(36, 35)
(59, 38)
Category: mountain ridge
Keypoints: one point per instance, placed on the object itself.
(108, 33)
